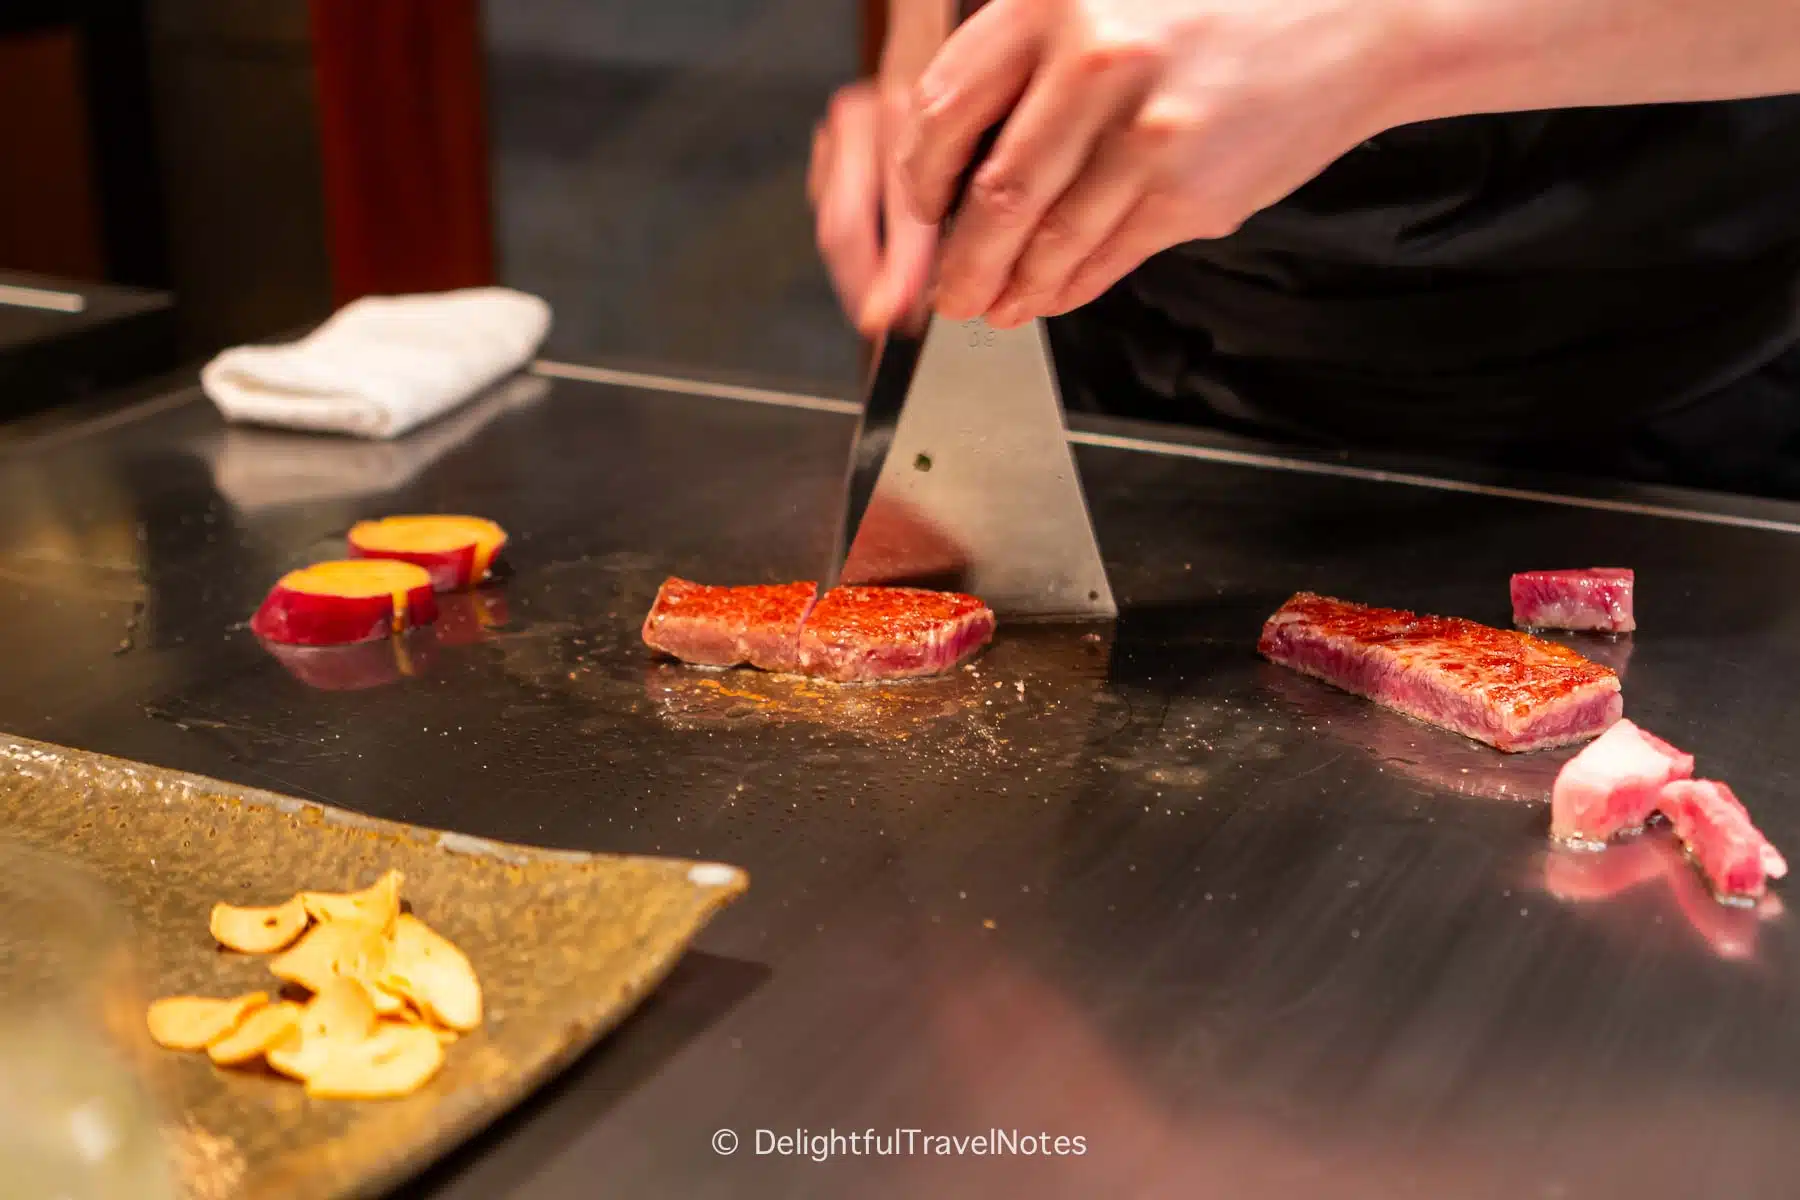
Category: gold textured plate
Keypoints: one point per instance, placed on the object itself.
(565, 944)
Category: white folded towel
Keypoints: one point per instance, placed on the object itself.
(383, 364)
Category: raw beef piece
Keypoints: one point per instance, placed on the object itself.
(1596, 599)
(1613, 785)
(1508, 689)
(1721, 838)
(727, 626)
(862, 633)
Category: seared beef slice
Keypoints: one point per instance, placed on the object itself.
(728, 626)
(1508, 689)
(864, 633)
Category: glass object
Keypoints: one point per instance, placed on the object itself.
(76, 1119)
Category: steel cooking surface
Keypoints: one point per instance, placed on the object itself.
(1241, 934)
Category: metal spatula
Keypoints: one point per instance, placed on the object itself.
(961, 476)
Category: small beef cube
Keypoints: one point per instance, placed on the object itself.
(1597, 599)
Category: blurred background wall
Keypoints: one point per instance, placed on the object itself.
(237, 143)
(640, 163)
(649, 170)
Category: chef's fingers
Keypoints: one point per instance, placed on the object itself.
(1150, 228)
(1081, 90)
(906, 262)
(1082, 220)
(847, 220)
(975, 78)
(909, 246)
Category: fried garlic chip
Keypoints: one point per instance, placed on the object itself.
(195, 1022)
(426, 969)
(260, 1032)
(395, 1061)
(298, 1057)
(258, 930)
(377, 905)
(334, 950)
(342, 1013)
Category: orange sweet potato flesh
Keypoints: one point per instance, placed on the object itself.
(341, 603)
(458, 551)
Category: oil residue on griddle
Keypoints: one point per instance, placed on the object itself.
(1001, 704)
(686, 698)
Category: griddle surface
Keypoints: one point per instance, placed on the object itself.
(1243, 935)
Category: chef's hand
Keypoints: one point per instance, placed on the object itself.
(1135, 125)
(878, 253)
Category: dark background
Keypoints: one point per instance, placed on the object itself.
(644, 162)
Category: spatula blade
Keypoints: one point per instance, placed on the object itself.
(976, 488)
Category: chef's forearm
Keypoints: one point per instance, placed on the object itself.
(1510, 55)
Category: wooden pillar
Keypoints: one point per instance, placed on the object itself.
(874, 33)
(403, 142)
(49, 204)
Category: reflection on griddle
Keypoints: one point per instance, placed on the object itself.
(1444, 760)
(1609, 650)
(1654, 858)
(256, 468)
(898, 545)
(465, 618)
(1431, 756)
(361, 666)
(1038, 672)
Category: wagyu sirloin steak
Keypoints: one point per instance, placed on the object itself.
(1597, 599)
(1511, 690)
(730, 626)
(863, 633)
(850, 634)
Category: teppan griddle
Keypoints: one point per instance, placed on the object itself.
(1240, 935)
